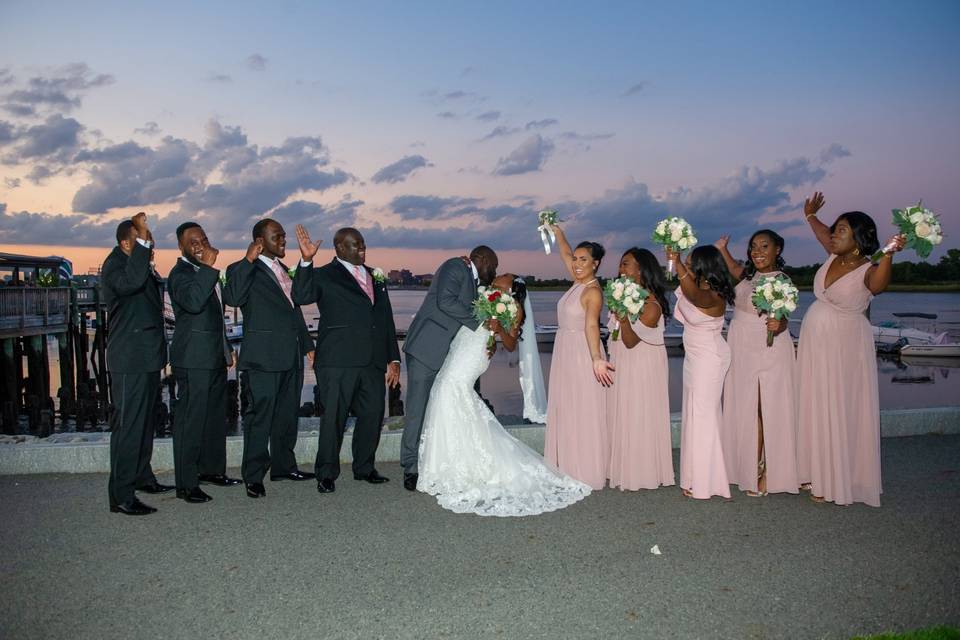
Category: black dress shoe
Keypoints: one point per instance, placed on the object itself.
(195, 495)
(373, 477)
(156, 487)
(326, 485)
(293, 475)
(218, 479)
(410, 481)
(132, 508)
(256, 490)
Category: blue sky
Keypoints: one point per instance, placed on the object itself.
(434, 126)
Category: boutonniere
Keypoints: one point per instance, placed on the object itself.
(292, 272)
(223, 277)
(379, 275)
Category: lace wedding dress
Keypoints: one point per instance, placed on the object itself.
(468, 460)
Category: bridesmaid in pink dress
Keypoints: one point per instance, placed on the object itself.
(759, 405)
(576, 440)
(838, 418)
(638, 405)
(702, 298)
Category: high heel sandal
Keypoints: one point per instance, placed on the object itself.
(761, 471)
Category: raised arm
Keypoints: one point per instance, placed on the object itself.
(563, 247)
(811, 206)
(133, 275)
(192, 290)
(240, 276)
(733, 265)
(702, 298)
(878, 277)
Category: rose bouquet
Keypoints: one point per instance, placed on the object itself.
(547, 217)
(919, 226)
(675, 234)
(776, 296)
(624, 297)
(497, 305)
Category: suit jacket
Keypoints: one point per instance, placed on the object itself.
(135, 338)
(199, 337)
(447, 307)
(275, 336)
(351, 331)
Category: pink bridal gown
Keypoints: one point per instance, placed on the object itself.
(760, 377)
(705, 362)
(576, 439)
(838, 417)
(638, 411)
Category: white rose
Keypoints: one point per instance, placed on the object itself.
(682, 243)
(916, 217)
(501, 307)
(923, 230)
(617, 294)
(661, 228)
(693, 240)
(778, 304)
(790, 306)
(675, 235)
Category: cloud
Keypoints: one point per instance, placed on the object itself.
(256, 62)
(400, 170)
(634, 89)
(488, 116)
(39, 174)
(61, 90)
(219, 78)
(414, 207)
(11, 183)
(529, 156)
(540, 124)
(834, 152)
(320, 221)
(584, 137)
(467, 71)
(8, 133)
(221, 137)
(6, 77)
(447, 115)
(24, 227)
(56, 139)
(500, 132)
(148, 129)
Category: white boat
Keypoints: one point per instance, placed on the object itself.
(913, 342)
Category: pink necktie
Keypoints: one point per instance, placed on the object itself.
(363, 282)
(285, 282)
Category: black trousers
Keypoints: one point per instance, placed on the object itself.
(131, 437)
(270, 422)
(200, 424)
(359, 390)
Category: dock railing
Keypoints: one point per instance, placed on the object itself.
(30, 310)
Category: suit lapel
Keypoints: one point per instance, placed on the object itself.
(273, 277)
(352, 281)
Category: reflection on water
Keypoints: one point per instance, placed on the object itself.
(906, 383)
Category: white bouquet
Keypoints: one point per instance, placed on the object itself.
(919, 226)
(776, 296)
(624, 297)
(547, 217)
(676, 234)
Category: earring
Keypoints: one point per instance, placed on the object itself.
(856, 251)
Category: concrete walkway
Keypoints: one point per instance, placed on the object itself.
(380, 562)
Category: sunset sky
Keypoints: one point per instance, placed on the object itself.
(437, 126)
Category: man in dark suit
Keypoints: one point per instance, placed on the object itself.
(357, 352)
(271, 356)
(447, 306)
(200, 355)
(136, 353)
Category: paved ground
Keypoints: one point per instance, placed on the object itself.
(379, 562)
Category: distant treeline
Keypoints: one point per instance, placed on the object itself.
(947, 270)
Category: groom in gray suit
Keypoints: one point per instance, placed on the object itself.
(447, 307)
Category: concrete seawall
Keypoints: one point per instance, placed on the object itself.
(90, 452)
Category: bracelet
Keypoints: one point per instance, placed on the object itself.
(686, 273)
(811, 215)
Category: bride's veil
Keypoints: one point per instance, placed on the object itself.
(531, 373)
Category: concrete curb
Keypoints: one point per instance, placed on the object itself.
(94, 456)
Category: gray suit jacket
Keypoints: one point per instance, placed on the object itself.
(447, 307)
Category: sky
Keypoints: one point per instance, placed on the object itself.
(434, 127)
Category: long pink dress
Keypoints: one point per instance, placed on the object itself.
(705, 362)
(638, 411)
(576, 440)
(764, 376)
(838, 417)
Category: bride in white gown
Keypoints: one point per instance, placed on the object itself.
(467, 459)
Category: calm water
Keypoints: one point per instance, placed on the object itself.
(901, 385)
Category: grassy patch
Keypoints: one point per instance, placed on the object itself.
(931, 633)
